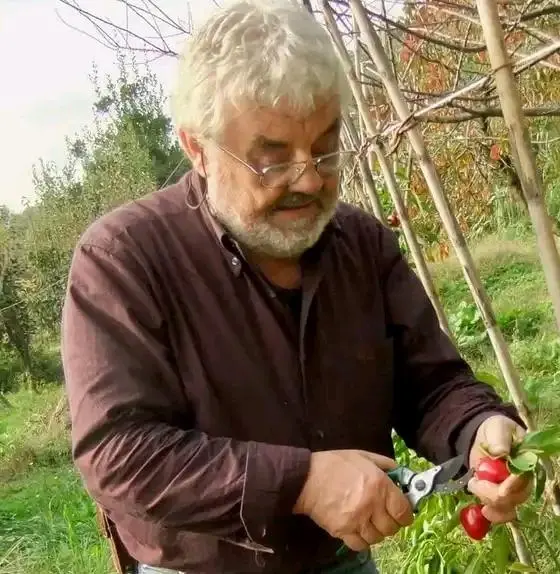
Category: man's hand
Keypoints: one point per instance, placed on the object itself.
(349, 495)
(496, 434)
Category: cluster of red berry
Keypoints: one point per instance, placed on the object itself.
(493, 470)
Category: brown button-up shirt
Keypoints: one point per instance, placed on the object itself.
(197, 391)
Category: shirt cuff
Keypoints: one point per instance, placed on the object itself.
(274, 478)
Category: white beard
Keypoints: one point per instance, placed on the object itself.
(263, 237)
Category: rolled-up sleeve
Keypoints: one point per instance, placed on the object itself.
(439, 401)
(125, 398)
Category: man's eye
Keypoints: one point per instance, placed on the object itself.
(278, 167)
(269, 161)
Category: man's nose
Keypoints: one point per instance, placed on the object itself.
(309, 181)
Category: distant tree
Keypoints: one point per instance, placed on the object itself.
(128, 151)
(16, 326)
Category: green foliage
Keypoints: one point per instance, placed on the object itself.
(128, 151)
(467, 325)
(136, 106)
(438, 542)
(16, 326)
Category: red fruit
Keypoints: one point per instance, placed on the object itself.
(393, 220)
(493, 470)
(495, 152)
(476, 525)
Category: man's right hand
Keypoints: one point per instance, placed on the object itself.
(350, 496)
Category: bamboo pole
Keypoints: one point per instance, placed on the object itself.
(452, 228)
(523, 157)
(388, 174)
(358, 72)
(365, 184)
(520, 545)
(365, 172)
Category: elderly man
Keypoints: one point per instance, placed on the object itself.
(239, 345)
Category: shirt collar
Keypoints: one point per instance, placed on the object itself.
(196, 191)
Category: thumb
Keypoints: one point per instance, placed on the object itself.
(497, 435)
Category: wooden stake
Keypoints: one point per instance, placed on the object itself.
(365, 172)
(388, 174)
(523, 157)
(451, 225)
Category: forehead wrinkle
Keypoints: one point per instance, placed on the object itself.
(307, 130)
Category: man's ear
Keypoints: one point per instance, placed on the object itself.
(193, 150)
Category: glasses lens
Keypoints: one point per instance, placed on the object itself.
(332, 163)
(282, 175)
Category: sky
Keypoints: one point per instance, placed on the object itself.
(46, 92)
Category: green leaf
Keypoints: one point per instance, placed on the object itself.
(474, 565)
(540, 480)
(523, 462)
(450, 525)
(489, 378)
(545, 441)
(518, 567)
(501, 549)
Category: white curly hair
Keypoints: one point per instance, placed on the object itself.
(256, 53)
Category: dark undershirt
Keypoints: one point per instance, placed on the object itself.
(291, 298)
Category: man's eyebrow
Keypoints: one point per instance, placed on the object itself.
(264, 143)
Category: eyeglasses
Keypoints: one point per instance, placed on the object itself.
(284, 174)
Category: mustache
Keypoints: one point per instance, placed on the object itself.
(296, 199)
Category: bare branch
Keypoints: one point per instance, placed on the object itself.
(152, 28)
(544, 111)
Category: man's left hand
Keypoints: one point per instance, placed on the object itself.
(496, 434)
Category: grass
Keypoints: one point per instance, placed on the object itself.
(513, 277)
(47, 522)
(48, 525)
(31, 435)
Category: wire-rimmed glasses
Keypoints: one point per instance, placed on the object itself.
(287, 173)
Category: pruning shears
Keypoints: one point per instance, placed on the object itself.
(417, 486)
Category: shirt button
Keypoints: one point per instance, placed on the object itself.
(320, 434)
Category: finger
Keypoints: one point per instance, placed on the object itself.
(355, 542)
(383, 462)
(384, 523)
(515, 483)
(397, 506)
(490, 494)
(371, 534)
(498, 516)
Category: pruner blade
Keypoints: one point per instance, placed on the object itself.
(449, 469)
(452, 486)
(438, 479)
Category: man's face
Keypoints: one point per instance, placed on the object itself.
(279, 222)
